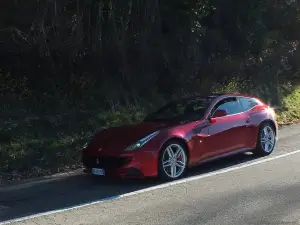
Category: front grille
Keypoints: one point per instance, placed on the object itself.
(104, 162)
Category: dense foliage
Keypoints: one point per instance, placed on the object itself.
(60, 57)
(72, 50)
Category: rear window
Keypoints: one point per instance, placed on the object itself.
(248, 103)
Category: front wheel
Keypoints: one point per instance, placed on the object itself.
(266, 140)
(172, 161)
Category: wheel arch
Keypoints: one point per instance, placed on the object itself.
(271, 122)
(258, 150)
(266, 121)
(179, 139)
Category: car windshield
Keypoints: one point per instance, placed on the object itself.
(182, 110)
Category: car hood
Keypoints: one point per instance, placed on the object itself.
(116, 139)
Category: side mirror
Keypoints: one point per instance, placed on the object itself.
(212, 120)
(220, 113)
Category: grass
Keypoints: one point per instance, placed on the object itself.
(33, 145)
(39, 145)
(291, 113)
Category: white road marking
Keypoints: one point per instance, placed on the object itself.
(185, 180)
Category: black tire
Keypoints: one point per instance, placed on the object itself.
(162, 174)
(260, 150)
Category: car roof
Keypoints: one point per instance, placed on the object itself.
(215, 96)
(237, 95)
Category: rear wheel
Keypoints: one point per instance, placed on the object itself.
(172, 161)
(266, 140)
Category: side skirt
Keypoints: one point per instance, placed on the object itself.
(225, 155)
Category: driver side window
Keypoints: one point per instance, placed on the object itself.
(230, 105)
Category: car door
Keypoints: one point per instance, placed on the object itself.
(253, 116)
(226, 133)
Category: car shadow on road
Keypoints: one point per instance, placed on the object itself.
(82, 189)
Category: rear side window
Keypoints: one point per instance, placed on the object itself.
(248, 103)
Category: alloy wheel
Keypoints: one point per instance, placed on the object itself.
(267, 139)
(174, 161)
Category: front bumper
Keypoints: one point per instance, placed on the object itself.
(136, 164)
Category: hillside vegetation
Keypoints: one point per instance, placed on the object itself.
(70, 67)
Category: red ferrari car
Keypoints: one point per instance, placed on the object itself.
(183, 134)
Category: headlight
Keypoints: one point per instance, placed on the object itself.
(141, 142)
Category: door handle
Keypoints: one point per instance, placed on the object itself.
(203, 135)
(248, 120)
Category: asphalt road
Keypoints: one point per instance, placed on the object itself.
(236, 190)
